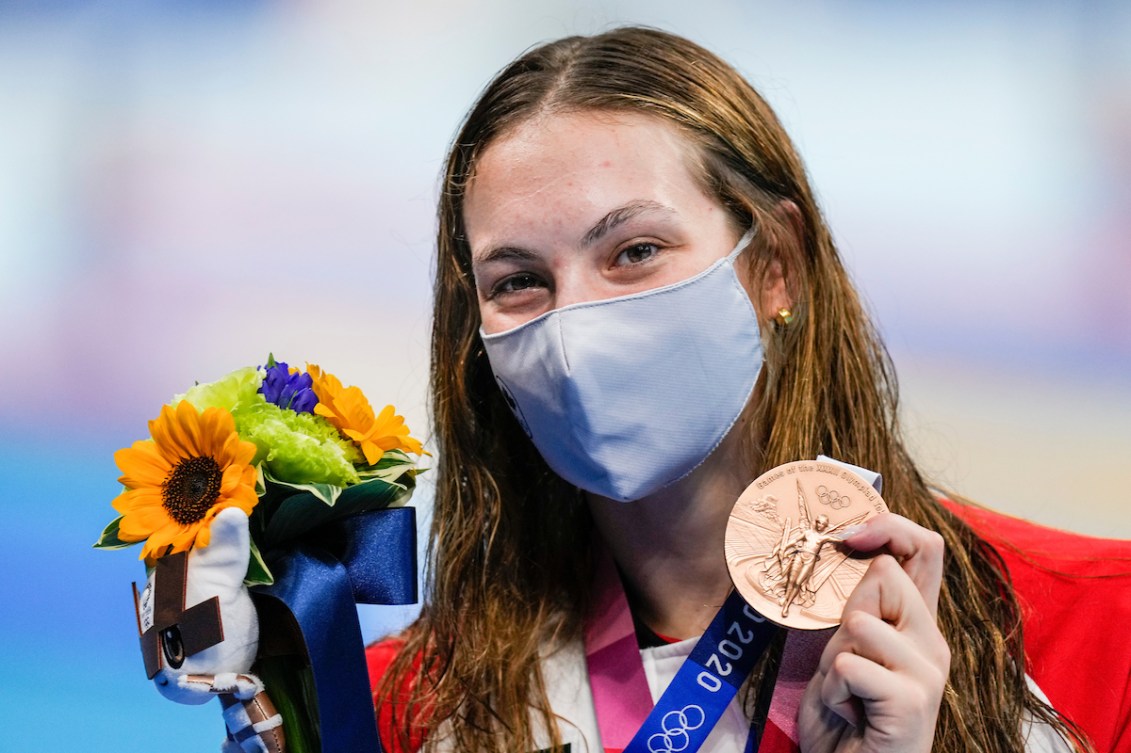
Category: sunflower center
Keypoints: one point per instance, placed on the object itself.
(191, 489)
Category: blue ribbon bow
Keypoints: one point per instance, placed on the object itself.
(377, 566)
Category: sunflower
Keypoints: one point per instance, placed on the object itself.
(196, 466)
(349, 410)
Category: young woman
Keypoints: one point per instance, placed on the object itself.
(638, 310)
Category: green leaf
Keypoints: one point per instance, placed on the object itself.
(286, 679)
(375, 494)
(395, 459)
(392, 465)
(258, 574)
(109, 538)
(326, 493)
(300, 513)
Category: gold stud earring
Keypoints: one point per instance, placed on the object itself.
(784, 317)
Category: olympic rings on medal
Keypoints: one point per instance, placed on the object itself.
(832, 498)
(675, 726)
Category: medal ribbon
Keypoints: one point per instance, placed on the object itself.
(706, 681)
(699, 693)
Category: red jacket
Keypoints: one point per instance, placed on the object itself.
(1075, 596)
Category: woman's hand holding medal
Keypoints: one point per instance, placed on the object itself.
(881, 677)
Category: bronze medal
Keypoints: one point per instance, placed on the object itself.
(783, 544)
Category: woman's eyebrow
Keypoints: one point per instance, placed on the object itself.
(504, 253)
(619, 216)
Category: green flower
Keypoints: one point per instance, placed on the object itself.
(240, 388)
(298, 448)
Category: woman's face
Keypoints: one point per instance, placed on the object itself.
(583, 206)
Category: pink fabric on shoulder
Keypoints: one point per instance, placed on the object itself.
(799, 663)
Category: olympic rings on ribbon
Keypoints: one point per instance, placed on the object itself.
(675, 726)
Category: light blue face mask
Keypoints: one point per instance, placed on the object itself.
(626, 395)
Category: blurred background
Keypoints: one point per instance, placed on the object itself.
(187, 186)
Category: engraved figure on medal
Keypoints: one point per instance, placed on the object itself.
(790, 571)
(799, 574)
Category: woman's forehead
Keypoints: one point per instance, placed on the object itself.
(574, 167)
(583, 138)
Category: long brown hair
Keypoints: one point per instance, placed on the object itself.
(509, 565)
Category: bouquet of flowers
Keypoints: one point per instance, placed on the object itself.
(254, 439)
(299, 454)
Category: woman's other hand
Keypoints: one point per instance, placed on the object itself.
(881, 677)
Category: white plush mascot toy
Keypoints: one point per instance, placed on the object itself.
(200, 633)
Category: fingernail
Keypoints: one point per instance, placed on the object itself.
(849, 532)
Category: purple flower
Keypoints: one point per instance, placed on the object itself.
(288, 390)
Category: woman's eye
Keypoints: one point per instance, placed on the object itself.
(516, 283)
(637, 253)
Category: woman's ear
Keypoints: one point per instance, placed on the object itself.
(784, 246)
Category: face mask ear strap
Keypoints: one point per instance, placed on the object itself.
(743, 242)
